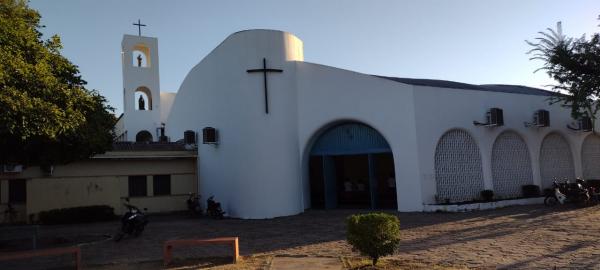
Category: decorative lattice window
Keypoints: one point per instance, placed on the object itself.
(590, 157)
(511, 165)
(556, 160)
(458, 173)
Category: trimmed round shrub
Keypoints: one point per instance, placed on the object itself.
(374, 234)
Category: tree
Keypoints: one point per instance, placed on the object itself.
(575, 65)
(47, 116)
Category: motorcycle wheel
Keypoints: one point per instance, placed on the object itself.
(137, 231)
(585, 200)
(118, 236)
(550, 201)
(595, 200)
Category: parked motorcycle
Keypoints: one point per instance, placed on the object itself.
(592, 191)
(568, 192)
(133, 222)
(213, 208)
(193, 205)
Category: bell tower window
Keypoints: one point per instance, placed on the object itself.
(141, 56)
(143, 99)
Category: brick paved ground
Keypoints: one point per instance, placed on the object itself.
(516, 237)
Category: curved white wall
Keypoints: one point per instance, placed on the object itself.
(254, 170)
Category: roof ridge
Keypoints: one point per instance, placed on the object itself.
(504, 88)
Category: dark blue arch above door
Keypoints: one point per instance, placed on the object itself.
(351, 143)
(350, 139)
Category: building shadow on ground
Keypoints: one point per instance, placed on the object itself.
(314, 232)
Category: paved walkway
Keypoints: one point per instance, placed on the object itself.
(302, 263)
(521, 237)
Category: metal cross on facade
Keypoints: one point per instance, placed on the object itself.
(264, 70)
(139, 25)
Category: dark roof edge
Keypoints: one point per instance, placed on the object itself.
(503, 88)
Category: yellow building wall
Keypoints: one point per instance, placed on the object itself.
(62, 192)
(103, 182)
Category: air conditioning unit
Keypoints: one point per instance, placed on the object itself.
(541, 118)
(494, 117)
(189, 137)
(210, 135)
(12, 168)
(584, 124)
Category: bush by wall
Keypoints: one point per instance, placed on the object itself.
(487, 195)
(374, 234)
(84, 214)
(530, 191)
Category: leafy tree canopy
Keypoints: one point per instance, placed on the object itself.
(574, 63)
(47, 116)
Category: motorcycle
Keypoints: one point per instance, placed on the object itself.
(193, 205)
(592, 191)
(133, 222)
(568, 192)
(213, 208)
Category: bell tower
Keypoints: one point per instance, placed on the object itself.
(141, 93)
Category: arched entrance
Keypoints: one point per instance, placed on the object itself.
(351, 166)
(143, 136)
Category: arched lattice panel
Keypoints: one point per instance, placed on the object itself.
(590, 157)
(458, 173)
(511, 165)
(556, 160)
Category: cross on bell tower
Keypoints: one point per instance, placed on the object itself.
(139, 25)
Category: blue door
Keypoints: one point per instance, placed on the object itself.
(355, 160)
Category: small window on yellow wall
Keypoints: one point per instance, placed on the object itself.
(162, 185)
(137, 186)
(141, 56)
(17, 191)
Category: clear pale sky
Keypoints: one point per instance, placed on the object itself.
(472, 41)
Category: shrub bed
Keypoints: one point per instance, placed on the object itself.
(530, 191)
(83, 214)
(487, 195)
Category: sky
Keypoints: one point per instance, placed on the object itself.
(470, 41)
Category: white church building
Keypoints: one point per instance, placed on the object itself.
(278, 135)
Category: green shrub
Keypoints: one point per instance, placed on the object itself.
(374, 235)
(83, 214)
(487, 195)
(531, 191)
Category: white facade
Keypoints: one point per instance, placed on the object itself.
(259, 169)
